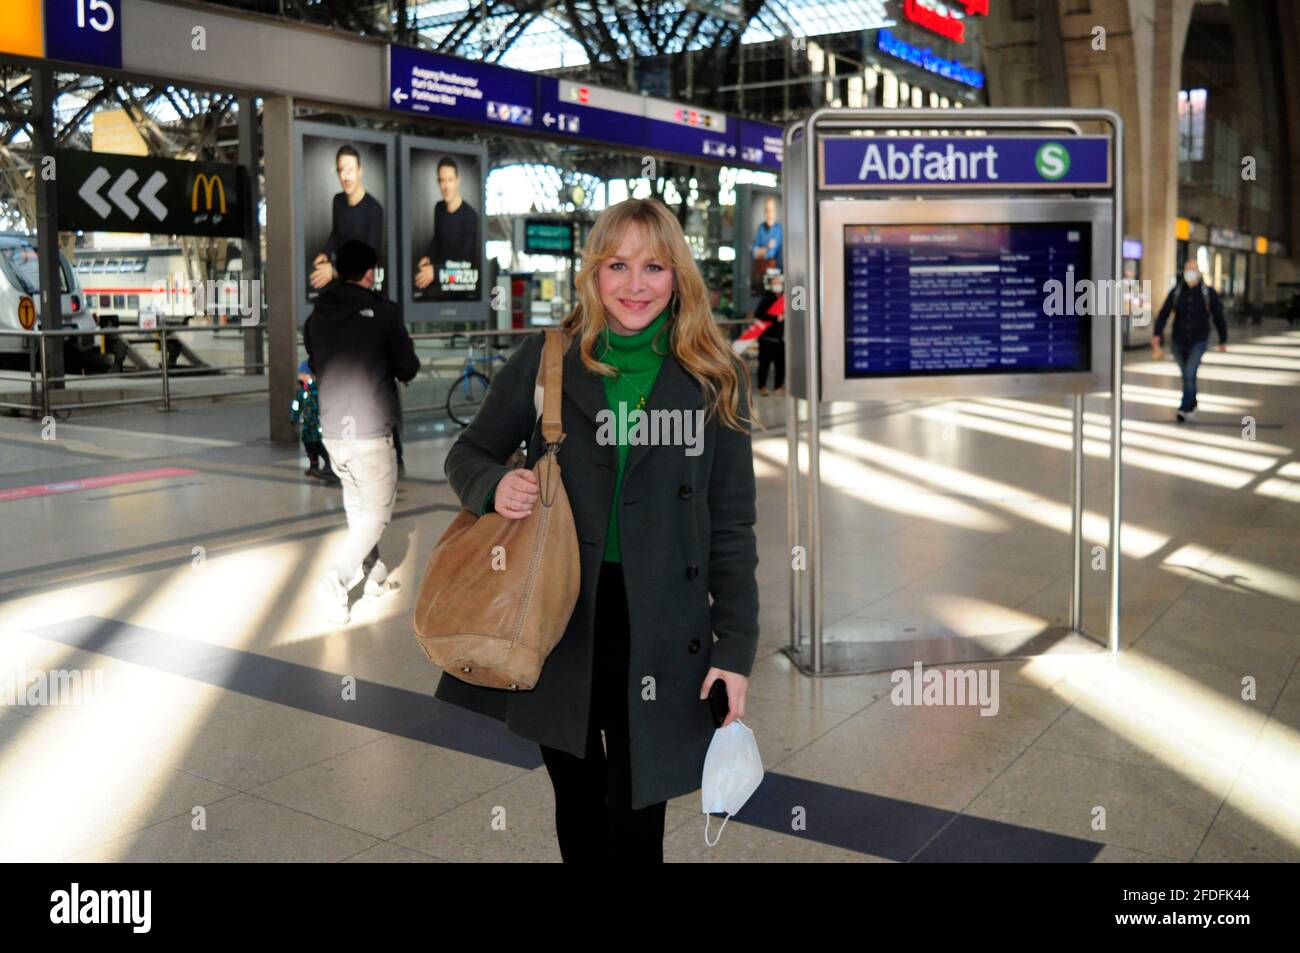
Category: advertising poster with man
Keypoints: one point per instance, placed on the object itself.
(760, 243)
(443, 220)
(446, 226)
(346, 196)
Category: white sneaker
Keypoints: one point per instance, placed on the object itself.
(378, 583)
(1189, 414)
(333, 597)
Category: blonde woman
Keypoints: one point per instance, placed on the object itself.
(664, 511)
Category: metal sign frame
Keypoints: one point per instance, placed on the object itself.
(802, 204)
(835, 215)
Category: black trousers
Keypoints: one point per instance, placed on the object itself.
(594, 820)
(771, 353)
(316, 451)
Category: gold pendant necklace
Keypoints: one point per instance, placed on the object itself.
(640, 404)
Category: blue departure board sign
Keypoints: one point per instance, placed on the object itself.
(434, 85)
(937, 299)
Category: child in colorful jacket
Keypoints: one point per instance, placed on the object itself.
(306, 410)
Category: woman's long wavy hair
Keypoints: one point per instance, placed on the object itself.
(693, 334)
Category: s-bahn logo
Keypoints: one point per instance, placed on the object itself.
(1052, 160)
(212, 187)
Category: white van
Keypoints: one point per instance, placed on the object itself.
(20, 308)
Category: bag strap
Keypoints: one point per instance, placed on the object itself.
(552, 372)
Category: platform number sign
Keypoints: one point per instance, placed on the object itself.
(84, 31)
(97, 8)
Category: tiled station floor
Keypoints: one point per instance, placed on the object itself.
(169, 560)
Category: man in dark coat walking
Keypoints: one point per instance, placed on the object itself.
(671, 566)
(1194, 304)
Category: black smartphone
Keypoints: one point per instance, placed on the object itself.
(718, 703)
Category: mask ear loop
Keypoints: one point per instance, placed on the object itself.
(707, 819)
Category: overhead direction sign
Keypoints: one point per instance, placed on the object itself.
(578, 110)
(990, 162)
(435, 85)
(432, 84)
(111, 193)
(759, 143)
(685, 129)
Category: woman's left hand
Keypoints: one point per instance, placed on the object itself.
(737, 686)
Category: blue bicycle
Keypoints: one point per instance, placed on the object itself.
(470, 388)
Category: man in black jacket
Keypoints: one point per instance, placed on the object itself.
(1194, 305)
(358, 349)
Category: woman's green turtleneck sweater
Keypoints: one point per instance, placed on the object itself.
(638, 366)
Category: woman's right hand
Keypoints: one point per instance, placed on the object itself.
(516, 494)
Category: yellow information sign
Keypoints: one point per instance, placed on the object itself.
(26, 313)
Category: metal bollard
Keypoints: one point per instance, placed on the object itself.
(166, 381)
(45, 379)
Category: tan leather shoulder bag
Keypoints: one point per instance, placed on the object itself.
(490, 616)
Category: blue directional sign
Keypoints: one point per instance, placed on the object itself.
(431, 84)
(577, 110)
(993, 162)
(759, 143)
(435, 85)
(689, 131)
(84, 31)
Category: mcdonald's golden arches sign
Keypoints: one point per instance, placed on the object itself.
(105, 192)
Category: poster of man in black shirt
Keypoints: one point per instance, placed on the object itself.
(345, 190)
(450, 253)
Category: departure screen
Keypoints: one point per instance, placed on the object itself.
(964, 299)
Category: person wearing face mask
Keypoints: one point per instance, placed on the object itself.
(1193, 304)
(668, 601)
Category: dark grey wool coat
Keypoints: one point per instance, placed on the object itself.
(686, 532)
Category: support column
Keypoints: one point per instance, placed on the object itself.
(1290, 41)
(284, 281)
(250, 152)
(47, 221)
(1169, 33)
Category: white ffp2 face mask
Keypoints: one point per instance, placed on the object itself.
(733, 770)
(1191, 277)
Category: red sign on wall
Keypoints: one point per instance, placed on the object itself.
(942, 23)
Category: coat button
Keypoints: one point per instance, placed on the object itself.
(695, 645)
(692, 570)
(684, 492)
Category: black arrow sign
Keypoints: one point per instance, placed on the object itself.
(102, 192)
